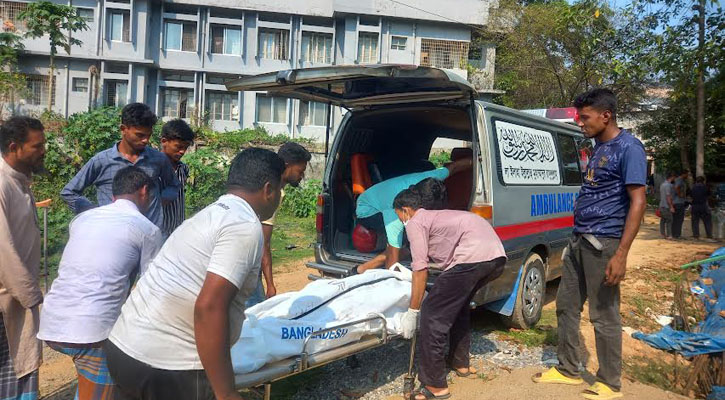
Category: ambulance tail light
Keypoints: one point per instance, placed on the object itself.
(320, 216)
(484, 211)
(568, 113)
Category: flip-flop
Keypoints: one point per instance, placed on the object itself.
(429, 395)
(600, 391)
(552, 375)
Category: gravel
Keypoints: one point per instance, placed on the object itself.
(385, 367)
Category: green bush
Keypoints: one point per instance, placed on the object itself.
(208, 170)
(301, 202)
(440, 158)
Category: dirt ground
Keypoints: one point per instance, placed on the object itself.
(652, 266)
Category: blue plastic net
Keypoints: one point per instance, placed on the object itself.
(709, 335)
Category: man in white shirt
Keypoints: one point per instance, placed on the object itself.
(174, 335)
(108, 246)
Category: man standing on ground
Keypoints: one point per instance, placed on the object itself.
(137, 123)
(667, 207)
(679, 198)
(608, 213)
(700, 209)
(295, 159)
(22, 145)
(176, 137)
(175, 332)
(108, 247)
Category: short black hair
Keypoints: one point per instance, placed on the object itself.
(684, 171)
(129, 180)
(16, 129)
(294, 153)
(700, 179)
(430, 193)
(254, 167)
(600, 99)
(177, 129)
(671, 174)
(138, 114)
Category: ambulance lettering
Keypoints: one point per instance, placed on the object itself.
(552, 203)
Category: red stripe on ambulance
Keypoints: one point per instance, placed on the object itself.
(507, 232)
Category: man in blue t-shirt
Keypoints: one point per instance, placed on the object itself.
(375, 210)
(607, 216)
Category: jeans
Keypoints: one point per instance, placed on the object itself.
(445, 319)
(258, 295)
(677, 220)
(701, 212)
(582, 278)
(665, 222)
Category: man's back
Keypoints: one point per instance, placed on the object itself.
(665, 192)
(156, 325)
(106, 246)
(678, 192)
(700, 193)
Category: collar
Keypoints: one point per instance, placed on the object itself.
(13, 173)
(126, 205)
(117, 154)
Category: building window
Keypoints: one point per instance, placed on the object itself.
(178, 76)
(317, 47)
(86, 13)
(220, 79)
(369, 21)
(313, 113)
(226, 40)
(443, 53)
(398, 42)
(177, 103)
(37, 94)
(274, 44)
(116, 68)
(119, 26)
(271, 109)
(80, 85)
(116, 93)
(222, 106)
(180, 36)
(367, 48)
(9, 11)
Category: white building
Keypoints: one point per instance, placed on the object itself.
(175, 56)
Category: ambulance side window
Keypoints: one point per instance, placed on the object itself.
(570, 160)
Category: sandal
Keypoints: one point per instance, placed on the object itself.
(600, 391)
(471, 371)
(429, 395)
(552, 375)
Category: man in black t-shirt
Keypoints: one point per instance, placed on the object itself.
(700, 210)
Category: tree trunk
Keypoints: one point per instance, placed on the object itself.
(51, 76)
(700, 144)
(684, 157)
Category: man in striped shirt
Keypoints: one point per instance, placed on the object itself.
(176, 137)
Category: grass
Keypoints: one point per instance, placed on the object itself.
(289, 230)
(656, 372)
(543, 334)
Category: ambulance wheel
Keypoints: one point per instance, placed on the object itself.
(530, 296)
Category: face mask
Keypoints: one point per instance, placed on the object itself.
(405, 222)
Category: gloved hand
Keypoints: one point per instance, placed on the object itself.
(409, 323)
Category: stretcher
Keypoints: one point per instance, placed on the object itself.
(305, 360)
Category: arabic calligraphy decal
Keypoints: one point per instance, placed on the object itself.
(528, 156)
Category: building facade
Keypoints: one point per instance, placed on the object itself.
(176, 56)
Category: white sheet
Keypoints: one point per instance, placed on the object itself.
(276, 328)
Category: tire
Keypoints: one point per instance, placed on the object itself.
(530, 296)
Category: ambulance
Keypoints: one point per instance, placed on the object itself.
(525, 180)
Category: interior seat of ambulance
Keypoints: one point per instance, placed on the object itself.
(383, 144)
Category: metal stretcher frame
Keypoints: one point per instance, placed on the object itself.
(305, 361)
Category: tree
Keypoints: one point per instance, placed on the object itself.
(12, 82)
(553, 50)
(59, 22)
